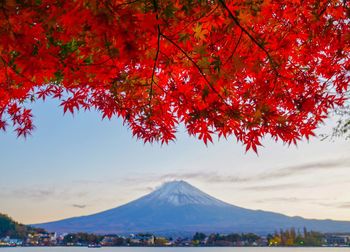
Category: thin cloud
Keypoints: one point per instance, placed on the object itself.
(41, 193)
(285, 199)
(273, 187)
(33, 193)
(205, 176)
(308, 167)
(149, 188)
(78, 206)
(270, 175)
(87, 181)
(344, 205)
(252, 182)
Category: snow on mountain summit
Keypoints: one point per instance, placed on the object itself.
(182, 193)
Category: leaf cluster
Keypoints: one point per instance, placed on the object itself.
(222, 68)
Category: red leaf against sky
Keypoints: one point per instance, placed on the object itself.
(241, 68)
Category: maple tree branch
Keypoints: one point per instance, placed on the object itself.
(94, 64)
(108, 49)
(236, 21)
(199, 18)
(15, 70)
(196, 65)
(189, 58)
(324, 9)
(155, 5)
(6, 70)
(236, 46)
(8, 21)
(126, 3)
(155, 65)
(157, 53)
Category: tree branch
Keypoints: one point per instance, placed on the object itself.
(196, 66)
(157, 53)
(6, 64)
(236, 46)
(155, 65)
(236, 21)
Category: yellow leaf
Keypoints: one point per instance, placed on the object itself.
(199, 32)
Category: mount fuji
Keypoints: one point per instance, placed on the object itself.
(178, 208)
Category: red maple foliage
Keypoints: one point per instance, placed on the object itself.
(245, 68)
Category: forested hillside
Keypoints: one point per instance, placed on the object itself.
(9, 227)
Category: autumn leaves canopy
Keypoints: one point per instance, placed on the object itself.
(244, 68)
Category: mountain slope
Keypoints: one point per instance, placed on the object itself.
(179, 208)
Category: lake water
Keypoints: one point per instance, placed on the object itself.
(216, 249)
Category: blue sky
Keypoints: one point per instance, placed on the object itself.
(77, 165)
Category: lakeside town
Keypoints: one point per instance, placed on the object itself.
(13, 234)
(282, 238)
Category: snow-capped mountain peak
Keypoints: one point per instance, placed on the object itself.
(182, 193)
(178, 208)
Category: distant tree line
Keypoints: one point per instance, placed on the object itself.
(291, 237)
(233, 239)
(82, 238)
(288, 237)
